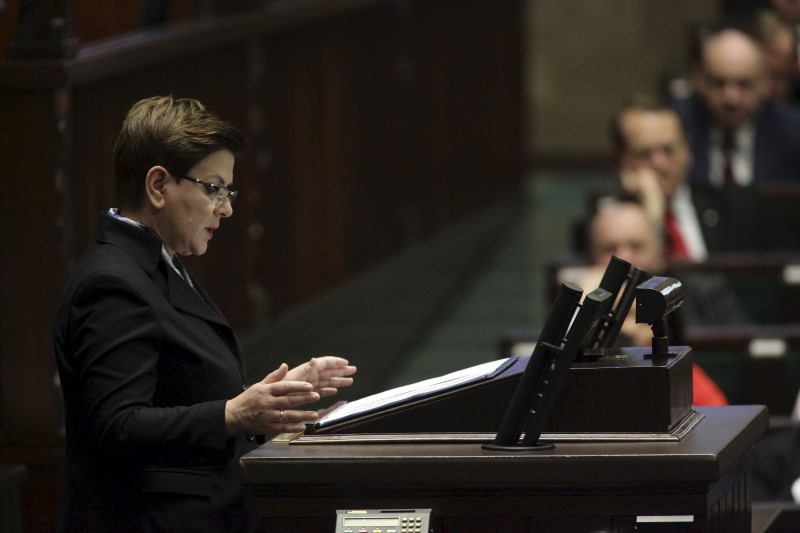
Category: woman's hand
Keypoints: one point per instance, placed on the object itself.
(268, 406)
(326, 374)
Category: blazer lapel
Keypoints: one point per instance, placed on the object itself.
(191, 301)
(144, 247)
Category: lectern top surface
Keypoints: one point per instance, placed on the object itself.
(723, 436)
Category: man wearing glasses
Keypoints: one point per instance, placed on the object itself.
(157, 407)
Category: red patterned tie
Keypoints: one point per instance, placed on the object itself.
(677, 245)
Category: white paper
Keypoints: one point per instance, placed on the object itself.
(414, 390)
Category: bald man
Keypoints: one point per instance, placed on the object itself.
(621, 227)
(740, 135)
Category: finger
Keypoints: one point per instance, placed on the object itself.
(347, 370)
(301, 372)
(341, 382)
(294, 421)
(276, 375)
(290, 416)
(307, 367)
(285, 388)
(335, 381)
(300, 398)
(331, 361)
(336, 373)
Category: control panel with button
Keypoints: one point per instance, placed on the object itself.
(383, 521)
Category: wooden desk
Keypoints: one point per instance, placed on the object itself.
(575, 487)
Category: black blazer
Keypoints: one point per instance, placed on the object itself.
(742, 219)
(146, 366)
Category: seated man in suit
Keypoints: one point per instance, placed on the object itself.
(740, 135)
(779, 42)
(621, 227)
(653, 157)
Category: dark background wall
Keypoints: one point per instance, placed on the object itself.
(583, 59)
(373, 125)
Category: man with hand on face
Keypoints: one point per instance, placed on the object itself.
(158, 410)
(653, 158)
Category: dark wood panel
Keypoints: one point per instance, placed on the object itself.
(30, 273)
(368, 135)
(470, 102)
(373, 124)
(330, 152)
(8, 26)
(92, 20)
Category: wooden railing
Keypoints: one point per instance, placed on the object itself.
(373, 124)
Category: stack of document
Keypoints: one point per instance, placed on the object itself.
(416, 391)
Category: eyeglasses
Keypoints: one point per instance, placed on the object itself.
(219, 192)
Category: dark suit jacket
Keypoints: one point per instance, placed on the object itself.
(146, 366)
(709, 299)
(776, 466)
(777, 140)
(732, 219)
(741, 219)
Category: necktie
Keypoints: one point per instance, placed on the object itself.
(728, 154)
(181, 270)
(677, 245)
(185, 275)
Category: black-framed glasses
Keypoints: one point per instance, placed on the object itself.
(219, 192)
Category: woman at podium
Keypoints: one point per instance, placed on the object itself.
(157, 407)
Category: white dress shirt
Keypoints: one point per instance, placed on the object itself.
(743, 158)
(688, 223)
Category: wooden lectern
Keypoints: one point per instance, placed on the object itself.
(630, 453)
(690, 472)
(700, 483)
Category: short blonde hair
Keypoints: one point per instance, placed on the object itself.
(176, 133)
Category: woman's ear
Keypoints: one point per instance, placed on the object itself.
(154, 183)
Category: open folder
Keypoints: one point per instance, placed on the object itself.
(415, 391)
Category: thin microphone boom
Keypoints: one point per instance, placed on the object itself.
(552, 333)
(615, 275)
(623, 307)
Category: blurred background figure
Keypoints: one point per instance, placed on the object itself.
(740, 134)
(778, 39)
(621, 227)
(789, 11)
(653, 158)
